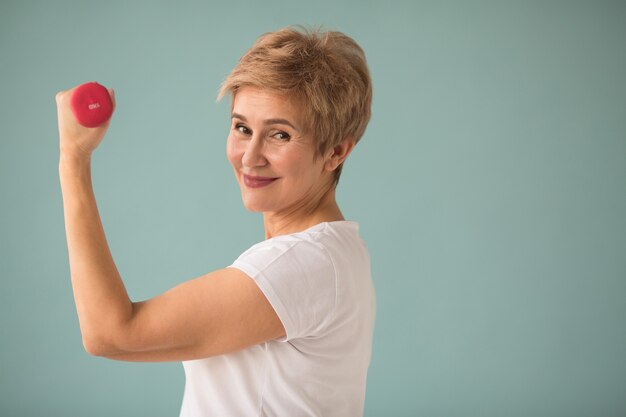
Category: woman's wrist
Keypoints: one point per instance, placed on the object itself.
(74, 161)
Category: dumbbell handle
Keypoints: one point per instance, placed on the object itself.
(91, 104)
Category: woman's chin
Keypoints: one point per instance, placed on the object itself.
(255, 206)
(253, 209)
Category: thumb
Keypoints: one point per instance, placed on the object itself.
(112, 94)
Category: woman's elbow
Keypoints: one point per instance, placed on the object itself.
(99, 345)
(93, 347)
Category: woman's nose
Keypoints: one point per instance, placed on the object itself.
(253, 155)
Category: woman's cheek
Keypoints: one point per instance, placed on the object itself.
(231, 150)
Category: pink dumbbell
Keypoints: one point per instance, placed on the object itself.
(91, 104)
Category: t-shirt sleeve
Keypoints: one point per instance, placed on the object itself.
(298, 279)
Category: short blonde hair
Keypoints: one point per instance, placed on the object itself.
(325, 71)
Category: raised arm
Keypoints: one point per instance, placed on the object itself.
(213, 314)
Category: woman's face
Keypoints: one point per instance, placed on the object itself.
(272, 157)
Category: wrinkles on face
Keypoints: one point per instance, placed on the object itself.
(266, 140)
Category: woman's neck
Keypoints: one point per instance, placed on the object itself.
(326, 210)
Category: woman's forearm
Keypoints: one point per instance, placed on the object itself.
(102, 302)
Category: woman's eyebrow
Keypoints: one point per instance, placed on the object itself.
(267, 121)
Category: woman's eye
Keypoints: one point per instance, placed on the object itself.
(282, 136)
(243, 129)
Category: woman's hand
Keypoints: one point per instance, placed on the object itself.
(75, 139)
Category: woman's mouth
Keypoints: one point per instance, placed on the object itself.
(257, 182)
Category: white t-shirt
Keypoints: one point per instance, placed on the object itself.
(319, 283)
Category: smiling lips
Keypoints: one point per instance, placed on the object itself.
(257, 182)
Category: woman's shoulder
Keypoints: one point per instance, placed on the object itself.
(318, 235)
(322, 243)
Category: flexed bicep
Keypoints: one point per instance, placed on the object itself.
(217, 313)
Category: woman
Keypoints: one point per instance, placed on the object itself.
(286, 330)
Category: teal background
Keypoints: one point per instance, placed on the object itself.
(490, 187)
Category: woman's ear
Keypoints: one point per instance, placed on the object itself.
(339, 153)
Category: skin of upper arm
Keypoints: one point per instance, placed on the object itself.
(217, 313)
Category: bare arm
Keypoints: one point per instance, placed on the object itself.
(99, 293)
(213, 314)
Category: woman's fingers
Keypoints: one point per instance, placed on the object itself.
(76, 137)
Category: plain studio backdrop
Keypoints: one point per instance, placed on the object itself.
(490, 187)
